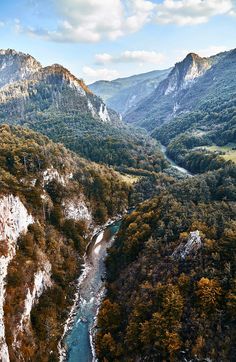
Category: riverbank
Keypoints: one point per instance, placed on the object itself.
(76, 342)
(174, 165)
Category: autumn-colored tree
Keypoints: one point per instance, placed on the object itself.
(109, 317)
(208, 292)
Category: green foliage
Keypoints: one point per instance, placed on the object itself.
(70, 122)
(210, 97)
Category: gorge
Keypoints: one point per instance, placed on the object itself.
(80, 282)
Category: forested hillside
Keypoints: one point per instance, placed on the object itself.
(195, 84)
(171, 276)
(124, 93)
(52, 101)
(171, 271)
(63, 198)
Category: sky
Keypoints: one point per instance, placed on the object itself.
(108, 39)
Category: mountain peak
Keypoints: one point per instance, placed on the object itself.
(65, 75)
(186, 72)
(193, 56)
(11, 52)
(23, 81)
(15, 66)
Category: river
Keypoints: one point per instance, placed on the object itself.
(77, 344)
(77, 340)
(173, 164)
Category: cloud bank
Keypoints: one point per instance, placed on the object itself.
(92, 21)
(128, 56)
(92, 74)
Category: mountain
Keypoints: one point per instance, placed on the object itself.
(15, 66)
(170, 278)
(54, 102)
(205, 127)
(123, 93)
(170, 272)
(23, 82)
(185, 74)
(188, 86)
(50, 203)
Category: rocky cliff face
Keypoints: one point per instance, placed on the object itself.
(26, 87)
(49, 207)
(180, 91)
(16, 66)
(185, 73)
(14, 220)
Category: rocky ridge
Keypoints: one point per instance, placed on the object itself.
(23, 80)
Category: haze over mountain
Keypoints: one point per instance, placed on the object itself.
(53, 101)
(170, 271)
(123, 93)
(188, 86)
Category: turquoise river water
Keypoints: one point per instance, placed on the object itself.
(77, 341)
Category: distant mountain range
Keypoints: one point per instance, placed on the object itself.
(170, 273)
(124, 93)
(198, 95)
(189, 84)
(54, 102)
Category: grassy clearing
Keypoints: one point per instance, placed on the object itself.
(129, 179)
(226, 151)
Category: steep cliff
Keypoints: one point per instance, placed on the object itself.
(180, 91)
(50, 201)
(14, 220)
(16, 66)
(54, 102)
(26, 87)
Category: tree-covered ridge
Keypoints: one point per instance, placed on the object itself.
(212, 122)
(101, 142)
(124, 93)
(177, 95)
(48, 179)
(54, 102)
(26, 155)
(188, 136)
(171, 276)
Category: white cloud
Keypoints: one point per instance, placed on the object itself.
(2, 24)
(233, 10)
(103, 58)
(212, 50)
(141, 13)
(191, 12)
(95, 20)
(202, 52)
(128, 56)
(92, 74)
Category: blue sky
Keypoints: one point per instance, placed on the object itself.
(106, 39)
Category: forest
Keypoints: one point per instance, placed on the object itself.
(54, 238)
(171, 275)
